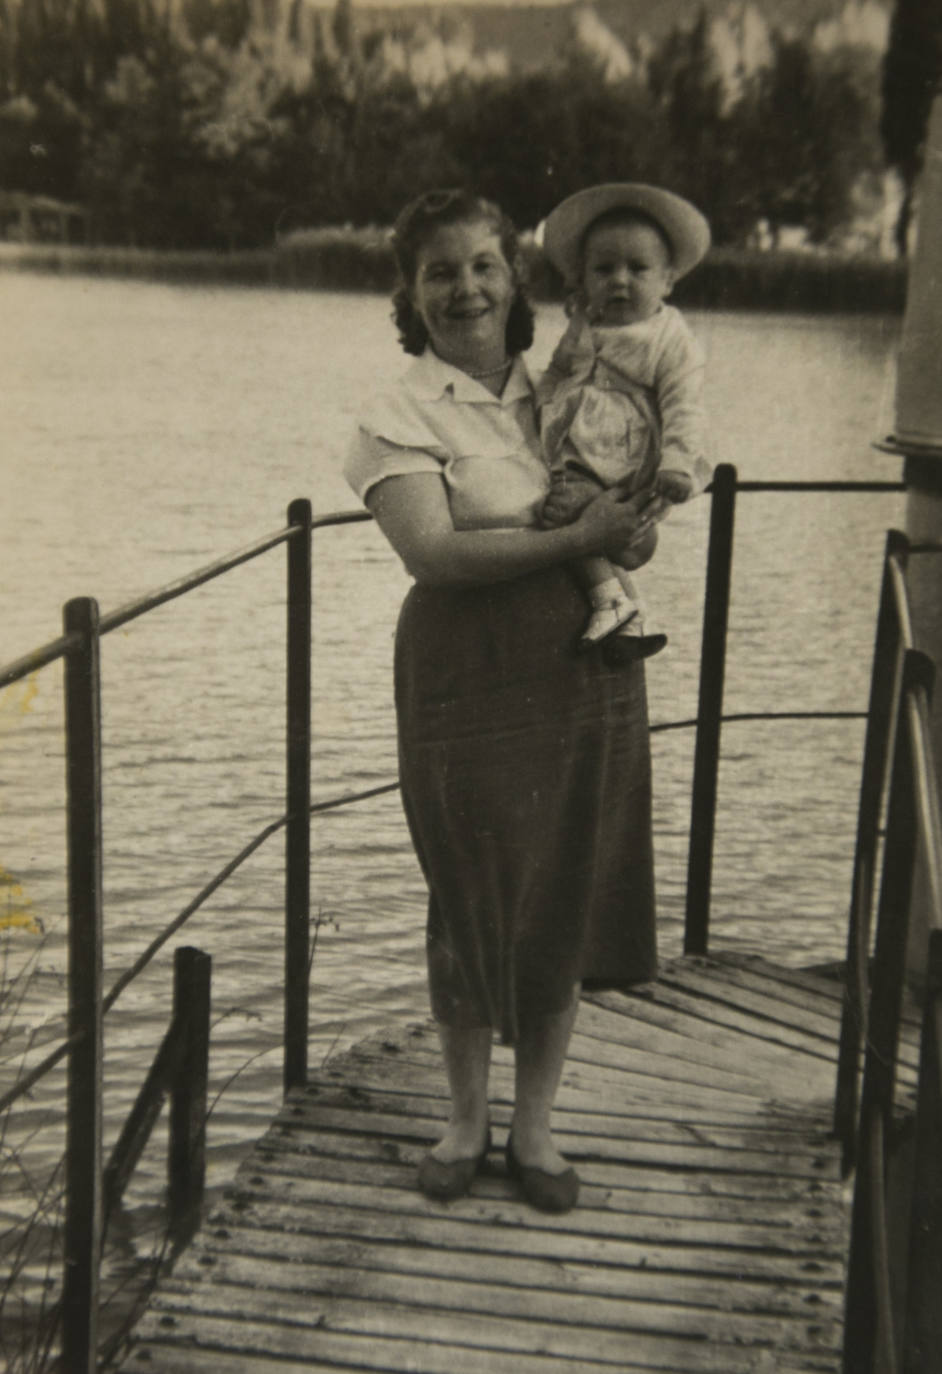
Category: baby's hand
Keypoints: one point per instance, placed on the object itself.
(565, 500)
(674, 486)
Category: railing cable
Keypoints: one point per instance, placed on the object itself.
(354, 797)
(29, 1079)
(189, 910)
(38, 1071)
(739, 716)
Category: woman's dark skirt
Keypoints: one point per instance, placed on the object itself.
(526, 780)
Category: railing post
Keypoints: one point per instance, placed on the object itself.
(710, 710)
(867, 1300)
(923, 1342)
(186, 1155)
(876, 753)
(83, 1176)
(298, 829)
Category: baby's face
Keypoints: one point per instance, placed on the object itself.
(626, 273)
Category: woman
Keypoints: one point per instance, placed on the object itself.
(525, 767)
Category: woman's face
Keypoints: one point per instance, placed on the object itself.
(463, 289)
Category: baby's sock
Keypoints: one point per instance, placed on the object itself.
(608, 592)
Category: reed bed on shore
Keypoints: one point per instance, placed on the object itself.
(255, 267)
(31, 1216)
(136, 1248)
(809, 282)
(345, 259)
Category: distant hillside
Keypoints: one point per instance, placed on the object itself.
(532, 34)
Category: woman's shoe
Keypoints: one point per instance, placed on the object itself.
(545, 1191)
(442, 1181)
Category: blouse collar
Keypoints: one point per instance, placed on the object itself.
(430, 377)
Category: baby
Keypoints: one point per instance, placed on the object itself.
(620, 403)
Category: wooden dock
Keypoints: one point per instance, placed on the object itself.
(711, 1233)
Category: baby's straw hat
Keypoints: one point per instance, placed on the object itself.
(683, 224)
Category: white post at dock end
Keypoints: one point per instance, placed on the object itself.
(918, 436)
(919, 375)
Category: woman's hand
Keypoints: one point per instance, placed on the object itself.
(614, 520)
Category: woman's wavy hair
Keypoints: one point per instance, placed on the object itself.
(416, 224)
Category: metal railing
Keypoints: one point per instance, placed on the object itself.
(893, 1316)
(893, 1320)
(91, 1190)
(180, 1067)
(710, 717)
(894, 637)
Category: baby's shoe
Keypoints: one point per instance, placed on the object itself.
(611, 609)
(631, 641)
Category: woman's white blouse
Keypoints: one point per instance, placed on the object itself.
(440, 420)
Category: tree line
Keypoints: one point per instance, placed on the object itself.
(223, 123)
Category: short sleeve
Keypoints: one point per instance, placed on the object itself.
(371, 459)
(393, 439)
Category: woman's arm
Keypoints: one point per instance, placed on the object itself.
(413, 512)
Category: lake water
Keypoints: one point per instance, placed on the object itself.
(147, 429)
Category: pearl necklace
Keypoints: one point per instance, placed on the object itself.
(491, 371)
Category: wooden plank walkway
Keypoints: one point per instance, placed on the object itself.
(710, 1235)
